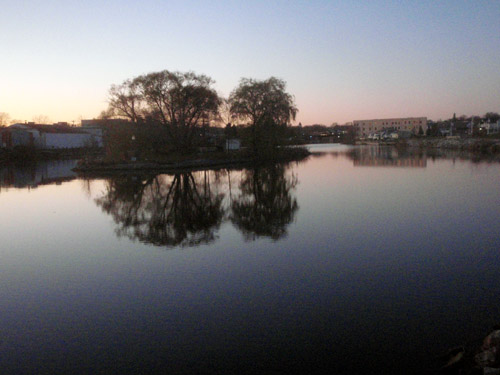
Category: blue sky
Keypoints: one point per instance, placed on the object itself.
(342, 60)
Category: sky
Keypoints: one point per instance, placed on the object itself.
(342, 60)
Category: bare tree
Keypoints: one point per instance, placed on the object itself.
(180, 102)
(41, 119)
(106, 114)
(491, 117)
(4, 119)
(225, 116)
(126, 101)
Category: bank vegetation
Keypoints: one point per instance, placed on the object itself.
(165, 120)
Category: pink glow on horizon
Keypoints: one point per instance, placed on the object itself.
(342, 61)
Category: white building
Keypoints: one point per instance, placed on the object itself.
(492, 128)
(413, 124)
(232, 144)
(49, 137)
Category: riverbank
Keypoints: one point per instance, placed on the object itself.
(482, 145)
(190, 163)
(30, 155)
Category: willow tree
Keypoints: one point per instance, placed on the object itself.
(266, 204)
(4, 119)
(267, 107)
(180, 102)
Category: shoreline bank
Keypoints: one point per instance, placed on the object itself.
(482, 145)
(473, 145)
(29, 155)
(189, 164)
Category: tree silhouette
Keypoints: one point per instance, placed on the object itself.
(4, 119)
(179, 102)
(491, 117)
(267, 107)
(165, 210)
(186, 209)
(266, 205)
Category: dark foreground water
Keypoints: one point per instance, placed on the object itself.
(355, 261)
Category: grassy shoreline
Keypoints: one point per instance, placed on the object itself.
(194, 162)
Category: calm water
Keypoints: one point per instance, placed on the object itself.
(354, 261)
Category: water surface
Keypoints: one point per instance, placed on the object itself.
(354, 261)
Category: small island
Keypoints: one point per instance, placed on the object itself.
(160, 122)
(191, 162)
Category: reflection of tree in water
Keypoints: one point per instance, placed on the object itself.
(265, 205)
(165, 210)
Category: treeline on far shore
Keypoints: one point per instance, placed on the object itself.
(167, 116)
(177, 117)
(172, 114)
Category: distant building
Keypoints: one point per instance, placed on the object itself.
(105, 123)
(491, 127)
(49, 137)
(232, 144)
(11, 137)
(366, 127)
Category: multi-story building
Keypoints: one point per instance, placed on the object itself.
(412, 124)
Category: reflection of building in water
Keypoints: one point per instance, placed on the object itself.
(412, 124)
(376, 156)
(422, 163)
(42, 173)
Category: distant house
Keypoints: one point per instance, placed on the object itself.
(50, 137)
(12, 137)
(232, 144)
(444, 132)
(106, 124)
(491, 128)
